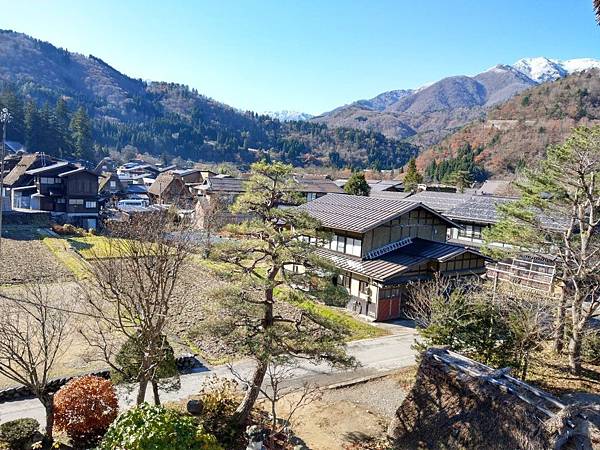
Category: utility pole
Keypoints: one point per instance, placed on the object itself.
(4, 118)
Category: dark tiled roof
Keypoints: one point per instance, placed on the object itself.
(318, 185)
(235, 185)
(391, 194)
(440, 201)
(484, 209)
(359, 214)
(385, 185)
(394, 263)
(479, 208)
(137, 189)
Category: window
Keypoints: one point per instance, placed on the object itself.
(113, 184)
(50, 180)
(345, 280)
(310, 196)
(60, 200)
(90, 205)
(470, 232)
(341, 244)
(363, 287)
(76, 201)
(392, 292)
(353, 246)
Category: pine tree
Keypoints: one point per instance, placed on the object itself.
(559, 213)
(33, 128)
(412, 177)
(357, 185)
(81, 134)
(259, 276)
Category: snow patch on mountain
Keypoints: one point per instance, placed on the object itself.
(287, 116)
(542, 69)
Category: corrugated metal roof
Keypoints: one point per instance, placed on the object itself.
(359, 214)
(394, 263)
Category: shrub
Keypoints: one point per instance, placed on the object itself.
(590, 350)
(129, 359)
(20, 433)
(219, 397)
(85, 407)
(155, 427)
(68, 230)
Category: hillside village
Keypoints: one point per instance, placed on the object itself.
(382, 243)
(415, 270)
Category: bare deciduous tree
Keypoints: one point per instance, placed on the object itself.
(530, 317)
(34, 333)
(211, 216)
(137, 287)
(278, 389)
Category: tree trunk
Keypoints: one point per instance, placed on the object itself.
(243, 411)
(575, 349)
(578, 324)
(142, 392)
(524, 366)
(155, 392)
(559, 339)
(48, 401)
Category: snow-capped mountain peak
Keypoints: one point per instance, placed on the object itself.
(286, 116)
(543, 69)
(580, 64)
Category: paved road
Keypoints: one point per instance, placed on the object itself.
(374, 355)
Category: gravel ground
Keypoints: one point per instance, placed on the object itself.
(382, 396)
(25, 258)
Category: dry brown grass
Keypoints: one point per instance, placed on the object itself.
(551, 373)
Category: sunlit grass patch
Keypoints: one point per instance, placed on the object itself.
(356, 327)
(62, 251)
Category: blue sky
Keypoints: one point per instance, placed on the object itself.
(308, 55)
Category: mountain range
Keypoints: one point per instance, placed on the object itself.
(516, 133)
(428, 114)
(287, 116)
(503, 116)
(163, 119)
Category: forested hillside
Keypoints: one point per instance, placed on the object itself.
(67, 104)
(517, 133)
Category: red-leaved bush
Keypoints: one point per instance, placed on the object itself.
(85, 407)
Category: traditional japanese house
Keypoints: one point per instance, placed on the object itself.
(381, 245)
(68, 192)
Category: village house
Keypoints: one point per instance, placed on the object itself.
(110, 188)
(377, 185)
(170, 189)
(68, 192)
(476, 213)
(312, 186)
(17, 175)
(381, 245)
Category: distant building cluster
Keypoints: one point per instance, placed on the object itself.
(380, 243)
